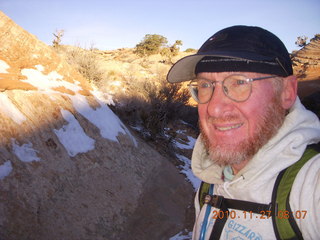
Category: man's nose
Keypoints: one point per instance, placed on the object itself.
(219, 104)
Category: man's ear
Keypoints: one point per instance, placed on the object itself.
(289, 91)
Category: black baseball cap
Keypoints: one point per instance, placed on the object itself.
(237, 48)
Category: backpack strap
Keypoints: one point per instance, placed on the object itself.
(283, 220)
(224, 204)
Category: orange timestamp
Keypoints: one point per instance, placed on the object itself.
(218, 214)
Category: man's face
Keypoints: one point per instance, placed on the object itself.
(234, 131)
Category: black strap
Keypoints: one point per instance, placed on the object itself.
(224, 204)
(315, 146)
(219, 223)
(293, 223)
(217, 201)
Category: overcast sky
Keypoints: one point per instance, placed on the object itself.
(112, 24)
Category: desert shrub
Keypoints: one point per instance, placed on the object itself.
(170, 52)
(174, 49)
(154, 104)
(87, 63)
(57, 38)
(151, 44)
(174, 103)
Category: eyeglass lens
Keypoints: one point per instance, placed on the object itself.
(236, 87)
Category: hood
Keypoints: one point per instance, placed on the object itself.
(300, 128)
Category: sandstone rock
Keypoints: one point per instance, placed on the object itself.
(307, 67)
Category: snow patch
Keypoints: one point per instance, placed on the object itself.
(186, 170)
(25, 152)
(73, 137)
(10, 110)
(186, 145)
(4, 67)
(5, 169)
(102, 97)
(46, 82)
(39, 68)
(103, 118)
(183, 235)
(109, 124)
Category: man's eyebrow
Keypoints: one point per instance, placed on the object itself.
(202, 78)
(231, 74)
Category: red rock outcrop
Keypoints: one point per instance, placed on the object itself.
(306, 65)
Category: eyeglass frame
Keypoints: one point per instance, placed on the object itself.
(249, 80)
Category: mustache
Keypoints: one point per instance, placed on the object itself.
(228, 118)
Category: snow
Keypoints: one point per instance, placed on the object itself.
(109, 124)
(43, 82)
(10, 110)
(186, 170)
(73, 137)
(182, 236)
(25, 152)
(3, 67)
(102, 97)
(39, 68)
(186, 145)
(5, 169)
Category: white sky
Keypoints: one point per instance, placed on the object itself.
(109, 24)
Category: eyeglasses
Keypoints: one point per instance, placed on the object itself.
(236, 87)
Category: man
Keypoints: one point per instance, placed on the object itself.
(253, 126)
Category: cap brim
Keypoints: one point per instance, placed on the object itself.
(184, 69)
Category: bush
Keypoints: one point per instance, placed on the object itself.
(170, 52)
(155, 105)
(151, 44)
(57, 38)
(86, 63)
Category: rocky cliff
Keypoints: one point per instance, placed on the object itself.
(69, 168)
(307, 60)
(306, 65)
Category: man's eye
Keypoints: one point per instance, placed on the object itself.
(204, 85)
(241, 82)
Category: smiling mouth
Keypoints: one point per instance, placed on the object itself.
(227, 128)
